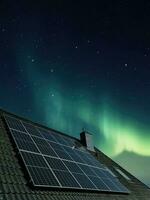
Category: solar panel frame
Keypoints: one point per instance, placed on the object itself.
(65, 182)
(84, 181)
(85, 163)
(49, 176)
(87, 170)
(99, 183)
(31, 130)
(46, 162)
(56, 163)
(73, 167)
(21, 144)
(47, 135)
(14, 123)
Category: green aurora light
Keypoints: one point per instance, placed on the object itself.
(113, 132)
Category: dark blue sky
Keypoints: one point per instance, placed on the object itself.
(73, 65)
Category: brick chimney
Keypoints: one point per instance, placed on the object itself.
(86, 139)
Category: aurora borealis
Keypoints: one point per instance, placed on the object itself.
(120, 133)
(72, 66)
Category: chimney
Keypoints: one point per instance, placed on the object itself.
(86, 139)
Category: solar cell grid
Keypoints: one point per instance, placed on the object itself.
(31, 129)
(40, 141)
(33, 159)
(76, 158)
(87, 170)
(109, 175)
(56, 146)
(42, 176)
(73, 167)
(69, 142)
(21, 136)
(56, 163)
(63, 154)
(112, 186)
(47, 135)
(60, 139)
(85, 158)
(84, 181)
(66, 179)
(25, 145)
(120, 186)
(53, 160)
(100, 173)
(45, 150)
(68, 149)
(99, 183)
(15, 124)
(24, 141)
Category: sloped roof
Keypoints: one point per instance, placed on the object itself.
(14, 184)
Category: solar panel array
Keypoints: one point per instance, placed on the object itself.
(52, 160)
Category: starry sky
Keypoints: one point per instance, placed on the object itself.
(71, 65)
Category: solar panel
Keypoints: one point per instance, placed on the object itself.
(84, 181)
(42, 176)
(54, 160)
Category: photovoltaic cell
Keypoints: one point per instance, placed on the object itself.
(66, 179)
(99, 172)
(15, 123)
(40, 141)
(60, 139)
(63, 154)
(56, 146)
(21, 136)
(24, 141)
(53, 160)
(47, 135)
(84, 181)
(56, 163)
(43, 177)
(45, 150)
(120, 186)
(33, 159)
(76, 158)
(73, 167)
(27, 146)
(99, 183)
(112, 186)
(31, 129)
(87, 170)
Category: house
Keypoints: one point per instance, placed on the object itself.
(39, 163)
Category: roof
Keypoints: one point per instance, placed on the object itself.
(14, 183)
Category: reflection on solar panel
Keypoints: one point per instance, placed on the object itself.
(52, 162)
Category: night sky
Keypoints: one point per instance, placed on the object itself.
(81, 65)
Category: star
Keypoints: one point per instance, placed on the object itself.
(51, 70)
(52, 94)
(76, 47)
(126, 65)
(32, 60)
